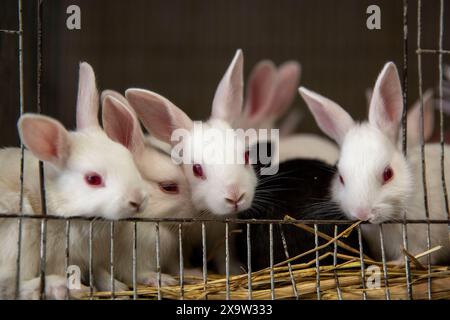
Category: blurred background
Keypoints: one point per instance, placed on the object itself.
(181, 48)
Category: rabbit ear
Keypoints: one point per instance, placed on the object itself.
(386, 105)
(87, 101)
(159, 116)
(46, 138)
(121, 124)
(260, 89)
(116, 95)
(413, 120)
(330, 117)
(227, 103)
(288, 78)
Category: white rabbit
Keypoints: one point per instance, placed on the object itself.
(218, 187)
(86, 174)
(169, 197)
(270, 92)
(375, 182)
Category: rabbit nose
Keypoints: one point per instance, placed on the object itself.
(137, 202)
(235, 198)
(362, 214)
(135, 205)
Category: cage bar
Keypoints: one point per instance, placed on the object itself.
(316, 240)
(272, 281)
(432, 51)
(111, 260)
(249, 262)
(336, 277)
(91, 261)
(43, 251)
(135, 261)
(67, 252)
(14, 32)
(405, 77)
(361, 259)
(158, 260)
(204, 260)
(180, 242)
(383, 259)
(227, 261)
(407, 266)
(286, 253)
(229, 220)
(441, 108)
(22, 148)
(422, 140)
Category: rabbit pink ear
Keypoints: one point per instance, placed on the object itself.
(330, 117)
(228, 99)
(413, 120)
(116, 95)
(260, 89)
(46, 138)
(159, 116)
(386, 105)
(121, 124)
(87, 100)
(287, 82)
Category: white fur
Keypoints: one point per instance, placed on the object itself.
(413, 120)
(223, 181)
(414, 206)
(68, 157)
(308, 146)
(155, 167)
(366, 150)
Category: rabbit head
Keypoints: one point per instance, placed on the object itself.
(219, 187)
(87, 173)
(167, 186)
(374, 180)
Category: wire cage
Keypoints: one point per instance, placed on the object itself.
(348, 275)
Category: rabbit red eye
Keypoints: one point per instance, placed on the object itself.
(198, 171)
(341, 180)
(247, 157)
(388, 173)
(169, 187)
(94, 179)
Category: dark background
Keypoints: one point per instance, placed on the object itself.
(181, 48)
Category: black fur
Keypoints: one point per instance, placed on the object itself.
(300, 189)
